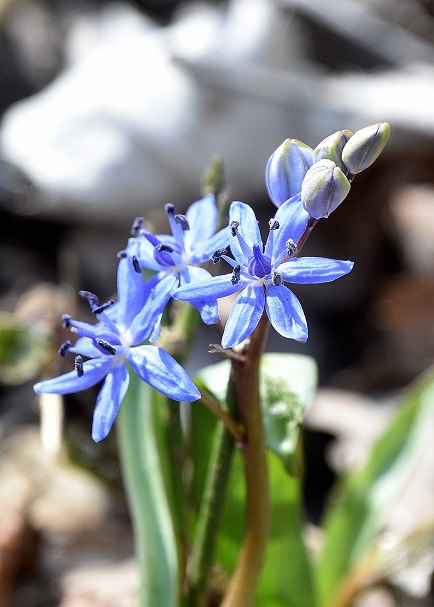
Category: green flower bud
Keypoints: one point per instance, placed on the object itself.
(331, 148)
(365, 146)
(324, 188)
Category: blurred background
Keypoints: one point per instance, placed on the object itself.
(109, 110)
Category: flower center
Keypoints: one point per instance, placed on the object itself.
(259, 265)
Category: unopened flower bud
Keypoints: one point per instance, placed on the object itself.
(365, 146)
(324, 188)
(286, 169)
(331, 148)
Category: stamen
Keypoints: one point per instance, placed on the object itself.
(183, 221)
(169, 208)
(63, 350)
(136, 265)
(234, 225)
(276, 278)
(91, 298)
(78, 365)
(137, 226)
(66, 321)
(164, 247)
(291, 248)
(236, 274)
(104, 306)
(105, 345)
(274, 224)
(217, 255)
(121, 254)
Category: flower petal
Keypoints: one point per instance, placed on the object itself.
(158, 297)
(245, 315)
(219, 286)
(131, 288)
(292, 220)
(93, 372)
(285, 312)
(157, 368)
(204, 252)
(202, 219)
(314, 270)
(109, 399)
(248, 228)
(86, 347)
(144, 251)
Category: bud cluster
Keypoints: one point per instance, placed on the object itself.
(321, 178)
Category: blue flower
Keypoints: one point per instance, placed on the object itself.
(176, 257)
(113, 342)
(258, 273)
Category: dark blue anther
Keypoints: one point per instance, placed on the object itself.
(66, 321)
(169, 208)
(105, 345)
(217, 255)
(236, 274)
(121, 254)
(136, 265)
(91, 298)
(164, 247)
(63, 350)
(234, 225)
(291, 247)
(103, 307)
(137, 225)
(276, 278)
(183, 221)
(78, 365)
(274, 224)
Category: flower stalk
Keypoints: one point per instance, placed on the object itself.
(251, 558)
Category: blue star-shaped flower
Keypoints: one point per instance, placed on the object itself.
(259, 274)
(113, 342)
(176, 257)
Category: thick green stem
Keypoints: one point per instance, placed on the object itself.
(242, 587)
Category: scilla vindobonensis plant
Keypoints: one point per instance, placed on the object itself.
(229, 530)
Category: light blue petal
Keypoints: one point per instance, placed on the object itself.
(157, 368)
(248, 229)
(314, 270)
(98, 331)
(293, 219)
(219, 286)
(285, 312)
(202, 219)
(93, 372)
(204, 252)
(131, 288)
(245, 315)
(145, 254)
(157, 299)
(193, 274)
(85, 347)
(209, 311)
(109, 399)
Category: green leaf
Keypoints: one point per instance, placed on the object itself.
(145, 470)
(288, 385)
(23, 353)
(363, 499)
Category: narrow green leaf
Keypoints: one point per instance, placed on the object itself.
(363, 499)
(143, 465)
